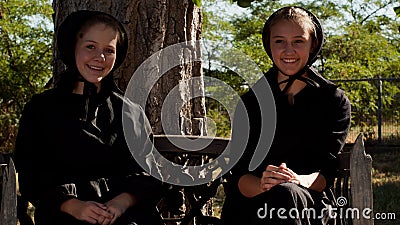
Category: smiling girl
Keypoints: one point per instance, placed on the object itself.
(312, 122)
(73, 162)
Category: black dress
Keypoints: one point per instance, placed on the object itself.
(308, 136)
(70, 146)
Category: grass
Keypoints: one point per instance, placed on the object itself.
(386, 183)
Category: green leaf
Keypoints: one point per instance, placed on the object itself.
(397, 10)
(244, 3)
(197, 2)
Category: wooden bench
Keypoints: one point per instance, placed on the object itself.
(197, 198)
(8, 184)
(353, 184)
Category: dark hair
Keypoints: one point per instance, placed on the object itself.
(77, 23)
(303, 18)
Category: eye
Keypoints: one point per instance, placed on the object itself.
(110, 51)
(90, 47)
(299, 41)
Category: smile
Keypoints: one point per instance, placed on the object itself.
(289, 60)
(96, 68)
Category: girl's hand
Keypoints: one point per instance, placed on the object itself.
(88, 211)
(274, 175)
(118, 205)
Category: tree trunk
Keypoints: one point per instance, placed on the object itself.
(153, 25)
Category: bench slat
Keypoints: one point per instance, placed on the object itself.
(361, 182)
(8, 207)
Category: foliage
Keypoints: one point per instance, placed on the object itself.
(217, 31)
(25, 62)
(243, 3)
(223, 103)
(366, 48)
(197, 2)
(218, 122)
(215, 27)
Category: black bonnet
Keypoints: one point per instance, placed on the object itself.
(319, 33)
(73, 23)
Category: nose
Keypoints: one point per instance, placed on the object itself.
(289, 47)
(100, 56)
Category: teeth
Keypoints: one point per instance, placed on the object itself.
(289, 60)
(95, 68)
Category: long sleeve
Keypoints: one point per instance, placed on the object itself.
(339, 125)
(33, 164)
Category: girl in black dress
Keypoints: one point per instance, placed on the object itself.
(292, 183)
(71, 155)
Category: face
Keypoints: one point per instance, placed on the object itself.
(95, 52)
(290, 46)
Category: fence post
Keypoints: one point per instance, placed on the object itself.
(379, 110)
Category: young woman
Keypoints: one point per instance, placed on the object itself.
(72, 159)
(292, 184)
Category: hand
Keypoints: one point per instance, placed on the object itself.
(88, 211)
(274, 175)
(118, 205)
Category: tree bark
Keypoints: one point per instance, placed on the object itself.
(153, 25)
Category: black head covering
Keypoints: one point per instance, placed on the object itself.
(319, 33)
(314, 78)
(72, 25)
(67, 34)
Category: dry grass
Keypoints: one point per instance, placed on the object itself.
(386, 184)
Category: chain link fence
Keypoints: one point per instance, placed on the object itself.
(375, 109)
